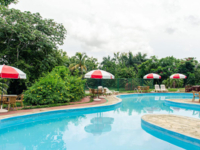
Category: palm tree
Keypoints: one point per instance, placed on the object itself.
(107, 60)
(79, 62)
(131, 60)
(141, 57)
(3, 86)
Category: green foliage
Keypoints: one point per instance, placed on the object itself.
(3, 86)
(175, 83)
(58, 86)
(125, 73)
(79, 62)
(91, 63)
(148, 83)
(7, 2)
(30, 43)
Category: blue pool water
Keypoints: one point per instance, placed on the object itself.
(115, 127)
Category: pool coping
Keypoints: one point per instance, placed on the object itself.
(188, 138)
(109, 102)
(183, 103)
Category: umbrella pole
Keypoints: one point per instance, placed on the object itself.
(2, 94)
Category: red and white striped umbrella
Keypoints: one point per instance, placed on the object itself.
(11, 72)
(152, 76)
(99, 74)
(178, 76)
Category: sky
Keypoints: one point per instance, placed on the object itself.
(102, 27)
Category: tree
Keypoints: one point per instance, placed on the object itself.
(3, 86)
(140, 58)
(108, 64)
(91, 63)
(79, 62)
(7, 2)
(30, 43)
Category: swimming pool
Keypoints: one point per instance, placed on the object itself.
(116, 127)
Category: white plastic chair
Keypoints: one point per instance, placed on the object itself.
(157, 88)
(108, 91)
(163, 89)
(100, 88)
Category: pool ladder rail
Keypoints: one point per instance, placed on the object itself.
(136, 89)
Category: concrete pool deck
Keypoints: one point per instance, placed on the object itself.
(183, 125)
(84, 103)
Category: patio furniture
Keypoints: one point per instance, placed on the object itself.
(157, 88)
(4, 98)
(104, 92)
(99, 91)
(116, 92)
(100, 88)
(196, 88)
(9, 72)
(196, 94)
(20, 99)
(93, 92)
(11, 102)
(143, 89)
(188, 88)
(99, 74)
(163, 89)
(108, 91)
(90, 90)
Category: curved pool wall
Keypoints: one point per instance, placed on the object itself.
(55, 130)
(175, 138)
(183, 95)
(183, 105)
(17, 120)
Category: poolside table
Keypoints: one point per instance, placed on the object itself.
(8, 98)
(196, 88)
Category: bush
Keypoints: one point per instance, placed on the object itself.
(175, 83)
(57, 86)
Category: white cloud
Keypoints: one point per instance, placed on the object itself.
(101, 27)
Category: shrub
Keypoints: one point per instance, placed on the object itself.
(173, 83)
(58, 86)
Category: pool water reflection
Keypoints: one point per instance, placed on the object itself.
(118, 129)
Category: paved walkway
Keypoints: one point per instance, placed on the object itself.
(183, 125)
(109, 100)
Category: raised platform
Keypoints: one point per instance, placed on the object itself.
(184, 103)
(178, 130)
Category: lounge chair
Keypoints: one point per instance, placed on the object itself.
(163, 89)
(157, 88)
(108, 91)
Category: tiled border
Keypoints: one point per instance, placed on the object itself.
(184, 105)
(21, 119)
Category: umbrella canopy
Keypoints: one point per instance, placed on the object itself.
(152, 76)
(11, 72)
(99, 74)
(178, 76)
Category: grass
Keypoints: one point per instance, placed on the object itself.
(176, 89)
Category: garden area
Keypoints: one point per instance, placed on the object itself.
(31, 43)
